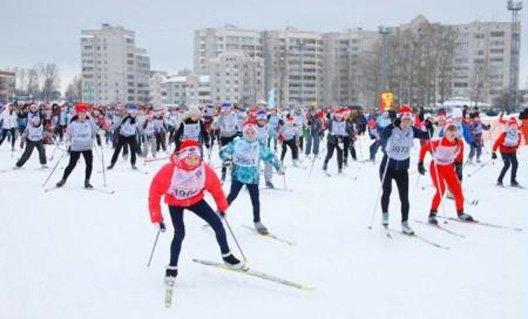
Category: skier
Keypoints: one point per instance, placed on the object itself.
(288, 136)
(148, 130)
(508, 143)
(183, 182)
(338, 131)
(34, 135)
(126, 128)
(262, 136)
(314, 124)
(160, 131)
(9, 119)
(81, 132)
(227, 124)
(395, 163)
(273, 131)
(476, 127)
(245, 154)
(350, 139)
(192, 127)
(447, 153)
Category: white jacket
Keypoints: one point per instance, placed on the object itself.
(9, 120)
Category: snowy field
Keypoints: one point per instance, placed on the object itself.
(72, 253)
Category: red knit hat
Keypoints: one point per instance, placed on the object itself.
(340, 111)
(512, 121)
(405, 111)
(81, 107)
(250, 124)
(188, 147)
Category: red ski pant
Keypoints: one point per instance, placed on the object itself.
(446, 175)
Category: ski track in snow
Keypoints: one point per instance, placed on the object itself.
(81, 254)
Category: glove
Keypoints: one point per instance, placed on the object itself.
(493, 155)
(397, 122)
(428, 125)
(221, 214)
(207, 146)
(160, 226)
(421, 168)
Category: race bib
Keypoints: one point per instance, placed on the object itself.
(187, 184)
(399, 144)
(191, 131)
(82, 133)
(445, 155)
(246, 154)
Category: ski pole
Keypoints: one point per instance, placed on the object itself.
(379, 193)
(235, 239)
(54, 168)
(479, 168)
(438, 181)
(153, 247)
(102, 164)
(53, 152)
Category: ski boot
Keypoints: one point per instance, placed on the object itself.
(270, 185)
(499, 183)
(406, 229)
(325, 166)
(339, 171)
(170, 275)
(465, 217)
(385, 219)
(514, 183)
(61, 183)
(261, 229)
(44, 166)
(109, 167)
(232, 262)
(432, 218)
(87, 184)
(134, 167)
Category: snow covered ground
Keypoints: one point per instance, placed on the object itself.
(72, 253)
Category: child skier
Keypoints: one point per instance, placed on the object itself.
(126, 130)
(508, 143)
(228, 126)
(81, 133)
(447, 152)
(245, 154)
(34, 135)
(183, 182)
(395, 163)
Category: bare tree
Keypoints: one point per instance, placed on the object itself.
(49, 80)
(74, 89)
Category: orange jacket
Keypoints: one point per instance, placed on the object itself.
(499, 143)
(162, 181)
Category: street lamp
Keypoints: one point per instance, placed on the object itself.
(515, 8)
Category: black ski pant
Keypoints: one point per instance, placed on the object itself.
(293, 147)
(160, 141)
(401, 176)
(509, 160)
(253, 189)
(205, 212)
(11, 132)
(349, 146)
(122, 140)
(330, 147)
(30, 145)
(74, 157)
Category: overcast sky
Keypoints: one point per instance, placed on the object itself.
(33, 31)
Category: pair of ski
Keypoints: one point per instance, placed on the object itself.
(169, 285)
(389, 231)
(280, 189)
(268, 235)
(481, 223)
(95, 189)
(137, 170)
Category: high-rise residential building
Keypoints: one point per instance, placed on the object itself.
(7, 85)
(346, 54)
(113, 68)
(188, 89)
(236, 78)
(294, 66)
(211, 42)
(302, 67)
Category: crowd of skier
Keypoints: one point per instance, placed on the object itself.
(254, 141)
